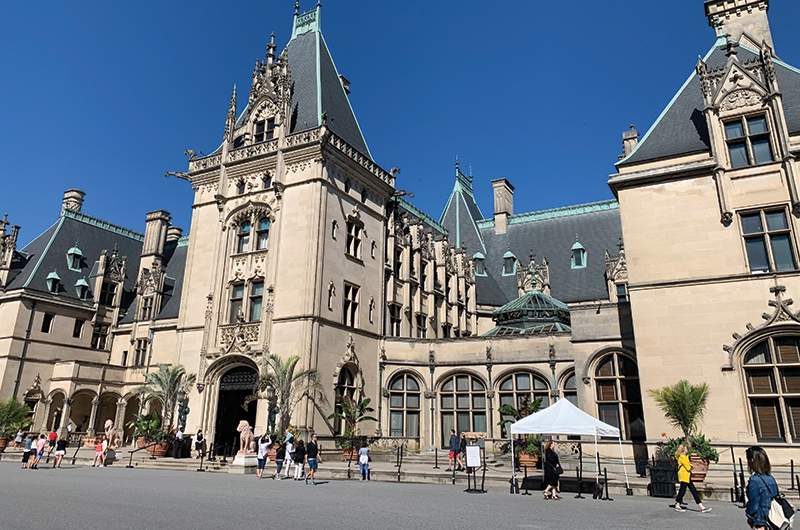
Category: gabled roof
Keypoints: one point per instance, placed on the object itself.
(681, 128)
(461, 215)
(551, 234)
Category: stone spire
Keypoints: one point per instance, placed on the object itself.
(230, 121)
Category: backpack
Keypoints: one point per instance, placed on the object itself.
(781, 513)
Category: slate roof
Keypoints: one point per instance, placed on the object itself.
(551, 234)
(404, 206)
(461, 215)
(681, 129)
(47, 253)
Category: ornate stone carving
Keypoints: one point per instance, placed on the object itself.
(150, 280)
(112, 435)
(385, 392)
(247, 441)
(237, 336)
(490, 394)
(115, 267)
(430, 394)
(350, 358)
(740, 99)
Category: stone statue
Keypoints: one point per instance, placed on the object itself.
(247, 443)
(112, 435)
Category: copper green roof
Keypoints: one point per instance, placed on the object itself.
(531, 313)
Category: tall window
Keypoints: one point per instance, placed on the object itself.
(463, 405)
(398, 261)
(47, 322)
(768, 240)
(243, 238)
(394, 320)
(517, 387)
(147, 308)
(622, 292)
(107, 292)
(748, 141)
(772, 373)
(422, 326)
(140, 355)
(262, 236)
(480, 267)
(265, 130)
(237, 297)
(350, 305)
(77, 329)
(353, 239)
(404, 406)
(571, 389)
(256, 297)
(423, 275)
(345, 386)
(619, 398)
(99, 336)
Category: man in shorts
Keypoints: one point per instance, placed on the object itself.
(37, 451)
(454, 444)
(312, 459)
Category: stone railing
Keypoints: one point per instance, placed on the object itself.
(361, 159)
(261, 148)
(206, 162)
(239, 332)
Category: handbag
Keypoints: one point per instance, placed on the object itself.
(559, 469)
(781, 512)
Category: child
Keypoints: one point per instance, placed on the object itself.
(98, 454)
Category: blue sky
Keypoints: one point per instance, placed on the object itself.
(106, 96)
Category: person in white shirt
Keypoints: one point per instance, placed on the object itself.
(176, 451)
(289, 456)
(263, 448)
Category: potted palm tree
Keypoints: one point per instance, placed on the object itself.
(527, 452)
(13, 416)
(684, 404)
(354, 411)
(286, 386)
(164, 384)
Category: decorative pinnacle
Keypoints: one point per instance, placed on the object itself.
(296, 7)
(730, 46)
(271, 47)
(4, 223)
(717, 24)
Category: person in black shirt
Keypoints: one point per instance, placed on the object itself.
(299, 460)
(312, 458)
(61, 450)
(280, 456)
(552, 470)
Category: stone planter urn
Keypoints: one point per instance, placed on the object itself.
(350, 454)
(160, 449)
(140, 443)
(527, 460)
(4, 443)
(699, 468)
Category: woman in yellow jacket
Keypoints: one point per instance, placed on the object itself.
(684, 477)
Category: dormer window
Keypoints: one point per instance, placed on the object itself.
(578, 259)
(262, 237)
(480, 264)
(82, 287)
(748, 141)
(509, 263)
(243, 238)
(74, 256)
(53, 280)
(265, 130)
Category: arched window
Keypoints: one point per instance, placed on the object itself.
(345, 386)
(243, 238)
(463, 405)
(404, 406)
(262, 238)
(521, 389)
(772, 374)
(571, 389)
(619, 398)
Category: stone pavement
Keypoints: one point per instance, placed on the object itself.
(118, 498)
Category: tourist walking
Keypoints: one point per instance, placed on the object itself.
(18, 438)
(552, 470)
(299, 458)
(312, 459)
(761, 488)
(198, 443)
(176, 450)
(289, 455)
(26, 455)
(685, 479)
(61, 450)
(462, 451)
(280, 457)
(453, 446)
(363, 461)
(52, 441)
(39, 452)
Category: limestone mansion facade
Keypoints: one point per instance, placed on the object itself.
(301, 244)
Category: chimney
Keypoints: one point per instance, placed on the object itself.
(503, 203)
(630, 139)
(155, 233)
(73, 200)
(174, 234)
(741, 16)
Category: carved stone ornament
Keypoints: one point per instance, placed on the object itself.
(430, 394)
(780, 314)
(115, 267)
(740, 99)
(617, 266)
(150, 280)
(235, 338)
(350, 358)
(490, 394)
(488, 351)
(385, 392)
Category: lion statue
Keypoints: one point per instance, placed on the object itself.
(112, 435)
(247, 442)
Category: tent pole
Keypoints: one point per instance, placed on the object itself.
(628, 490)
(513, 464)
(596, 455)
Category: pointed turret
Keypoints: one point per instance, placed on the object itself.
(230, 121)
(461, 215)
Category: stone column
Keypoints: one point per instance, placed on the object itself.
(63, 433)
(119, 416)
(43, 415)
(93, 416)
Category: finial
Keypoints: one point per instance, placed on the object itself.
(470, 172)
(576, 237)
(457, 165)
(730, 46)
(717, 24)
(620, 245)
(4, 223)
(296, 7)
(319, 4)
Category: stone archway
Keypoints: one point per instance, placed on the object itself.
(106, 410)
(54, 418)
(233, 387)
(131, 410)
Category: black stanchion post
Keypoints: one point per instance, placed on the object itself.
(605, 478)
(454, 474)
(735, 488)
(791, 465)
(741, 481)
(211, 457)
(436, 458)
(130, 461)
(579, 472)
(525, 481)
(201, 462)
(483, 477)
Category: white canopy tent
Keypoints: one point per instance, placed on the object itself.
(564, 418)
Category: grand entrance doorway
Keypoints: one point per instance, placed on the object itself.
(234, 386)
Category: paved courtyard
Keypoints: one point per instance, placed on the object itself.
(142, 499)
